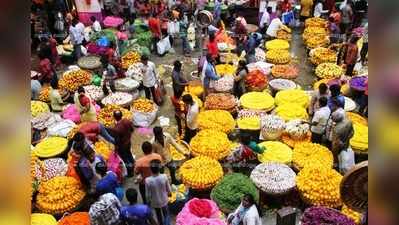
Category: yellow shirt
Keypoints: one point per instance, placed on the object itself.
(306, 7)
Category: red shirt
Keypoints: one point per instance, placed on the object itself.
(90, 130)
(285, 7)
(123, 131)
(155, 26)
(53, 45)
(110, 55)
(84, 100)
(213, 49)
(45, 68)
(351, 54)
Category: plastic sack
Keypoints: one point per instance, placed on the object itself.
(144, 119)
(163, 45)
(103, 41)
(224, 84)
(61, 128)
(346, 160)
(126, 84)
(264, 67)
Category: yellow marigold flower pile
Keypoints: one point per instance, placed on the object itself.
(360, 139)
(220, 120)
(329, 71)
(50, 146)
(290, 111)
(201, 172)
(44, 94)
(323, 55)
(38, 107)
(59, 195)
(257, 100)
(129, 59)
(196, 90)
(294, 96)
(211, 143)
(286, 138)
(316, 22)
(278, 56)
(42, 219)
(355, 216)
(225, 69)
(143, 105)
(320, 186)
(277, 44)
(356, 118)
(71, 80)
(249, 123)
(275, 152)
(103, 148)
(311, 154)
(314, 31)
(106, 115)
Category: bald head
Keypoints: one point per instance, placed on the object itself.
(117, 115)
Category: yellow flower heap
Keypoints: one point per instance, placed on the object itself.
(323, 55)
(311, 154)
(356, 118)
(249, 123)
(314, 31)
(316, 22)
(201, 172)
(211, 143)
(59, 195)
(329, 71)
(257, 100)
(360, 139)
(275, 152)
(42, 219)
(103, 148)
(143, 105)
(194, 88)
(129, 59)
(71, 80)
(320, 186)
(220, 120)
(290, 111)
(106, 117)
(225, 69)
(38, 107)
(278, 56)
(50, 147)
(355, 216)
(277, 44)
(293, 96)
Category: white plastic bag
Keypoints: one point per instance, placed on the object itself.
(163, 45)
(61, 128)
(144, 119)
(346, 160)
(173, 28)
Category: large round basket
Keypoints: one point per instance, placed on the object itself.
(89, 62)
(252, 28)
(204, 18)
(354, 187)
(188, 149)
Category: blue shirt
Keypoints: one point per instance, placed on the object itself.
(341, 101)
(210, 73)
(107, 184)
(137, 214)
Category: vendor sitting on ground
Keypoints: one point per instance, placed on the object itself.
(245, 152)
(56, 102)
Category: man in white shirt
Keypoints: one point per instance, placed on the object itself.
(191, 118)
(274, 26)
(96, 26)
(77, 35)
(149, 77)
(265, 20)
(318, 9)
(319, 121)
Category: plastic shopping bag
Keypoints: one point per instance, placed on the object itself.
(163, 45)
(346, 160)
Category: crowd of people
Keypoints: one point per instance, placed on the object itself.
(104, 181)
